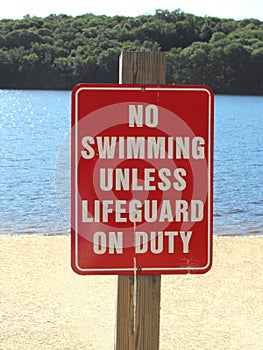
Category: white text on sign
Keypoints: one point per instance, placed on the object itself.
(112, 242)
(171, 178)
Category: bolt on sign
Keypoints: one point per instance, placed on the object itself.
(142, 175)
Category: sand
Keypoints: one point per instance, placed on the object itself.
(44, 305)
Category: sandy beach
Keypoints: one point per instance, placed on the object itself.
(44, 305)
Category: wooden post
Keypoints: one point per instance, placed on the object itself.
(138, 299)
(125, 314)
(142, 68)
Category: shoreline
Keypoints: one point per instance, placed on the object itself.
(215, 235)
(45, 305)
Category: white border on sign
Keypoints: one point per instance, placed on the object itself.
(94, 270)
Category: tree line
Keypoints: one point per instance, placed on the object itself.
(59, 51)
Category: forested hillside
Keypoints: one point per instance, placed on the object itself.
(58, 52)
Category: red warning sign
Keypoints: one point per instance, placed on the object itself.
(142, 175)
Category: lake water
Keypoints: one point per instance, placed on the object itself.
(34, 163)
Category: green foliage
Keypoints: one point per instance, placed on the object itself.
(58, 52)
